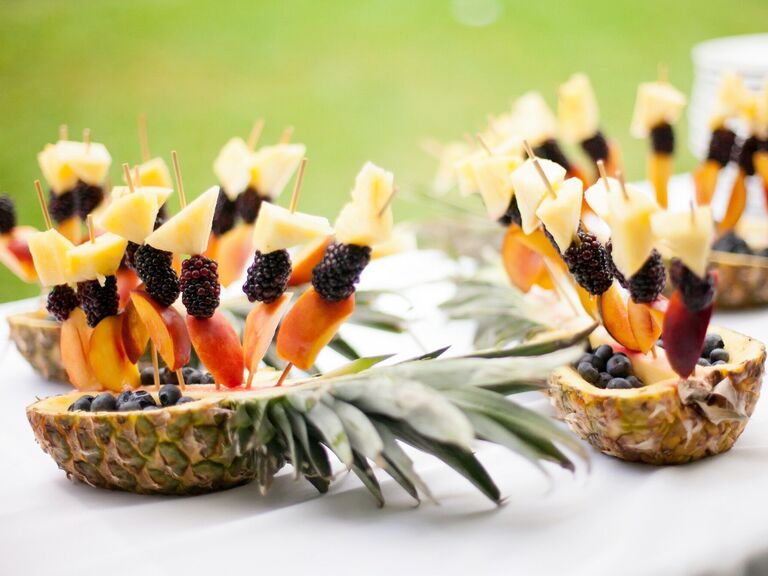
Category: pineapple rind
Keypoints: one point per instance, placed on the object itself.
(37, 339)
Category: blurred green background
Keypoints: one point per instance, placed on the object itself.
(359, 80)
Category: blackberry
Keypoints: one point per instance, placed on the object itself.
(129, 258)
(747, 153)
(721, 146)
(596, 147)
(98, 301)
(648, 282)
(200, 287)
(61, 301)
(268, 276)
(7, 214)
(589, 263)
(550, 150)
(225, 214)
(61, 207)
(87, 198)
(732, 242)
(154, 268)
(663, 139)
(512, 215)
(248, 204)
(697, 293)
(335, 276)
(616, 272)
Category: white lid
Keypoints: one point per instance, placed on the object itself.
(744, 54)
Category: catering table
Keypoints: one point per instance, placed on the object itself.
(608, 518)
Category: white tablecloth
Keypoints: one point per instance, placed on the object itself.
(617, 518)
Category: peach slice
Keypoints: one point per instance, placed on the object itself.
(306, 260)
(218, 347)
(589, 302)
(135, 333)
(645, 327)
(74, 344)
(166, 328)
(309, 326)
(234, 250)
(705, 181)
(107, 357)
(212, 251)
(523, 265)
(615, 317)
(127, 280)
(15, 253)
(71, 230)
(684, 332)
(736, 204)
(260, 327)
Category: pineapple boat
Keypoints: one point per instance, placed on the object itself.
(181, 439)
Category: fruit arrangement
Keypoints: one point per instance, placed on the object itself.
(653, 386)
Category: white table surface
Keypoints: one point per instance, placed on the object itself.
(617, 518)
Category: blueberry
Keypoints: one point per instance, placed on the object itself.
(619, 366)
(184, 400)
(604, 352)
(104, 402)
(207, 378)
(147, 376)
(144, 398)
(588, 372)
(128, 406)
(603, 379)
(193, 376)
(82, 404)
(125, 396)
(660, 343)
(169, 394)
(150, 407)
(619, 384)
(719, 354)
(711, 342)
(718, 362)
(703, 362)
(585, 358)
(635, 381)
(168, 376)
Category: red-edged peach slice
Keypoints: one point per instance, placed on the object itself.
(74, 343)
(218, 347)
(135, 333)
(260, 327)
(166, 328)
(15, 254)
(235, 250)
(523, 265)
(309, 326)
(127, 280)
(644, 326)
(615, 318)
(306, 260)
(684, 332)
(107, 357)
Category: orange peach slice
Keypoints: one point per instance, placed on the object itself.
(309, 326)
(71, 230)
(588, 301)
(523, 265)
(107, 357)
(218, 347)
(166, 328)
(736, 204)
(127, 280)
(135, 333)
(644, 325)
(615, 318)
(74, 344)
(260, 327)
(306, 260)
(15, 254)
(234, 250)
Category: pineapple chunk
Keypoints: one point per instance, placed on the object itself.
(597, 196)
(233, 167)
(187, 231)
(276, 228)
(49, 253)
(97, 259)
(465, 173)
(403, 239)
(657, 103)
(273, 166)
(57, 173)
(66, 162)
(355, 225)
(373, 187)
(577, 109)
(530, 189)
(445, 177)
(687, 236)
(629, 217)
(534, 120)
(132, 216)
(160, 193)
(492, 176)
(91, 162)
(561, 215)
(154, 172)
(760, 124)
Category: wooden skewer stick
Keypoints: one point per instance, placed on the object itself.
(539, 169)
(622, 184)
(253, 137)
(603, 174)
(63, 132)
(484, 144)
(137, 177)
(128, 179)
(388, 203)
(179, 181)
(287, 134)
(87, 139)
(284, 375)
(143, 138)
(297, 185)
(91, 229)
(155, 365)
(662, 72)
(180, 377)
(43, 206)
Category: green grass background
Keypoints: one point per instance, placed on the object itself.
(359, 80)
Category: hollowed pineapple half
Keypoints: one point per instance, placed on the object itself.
(670, 420)
(36, 336)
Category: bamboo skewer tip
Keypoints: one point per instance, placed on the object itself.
(179, 181)
(43, 205)
(297, 185)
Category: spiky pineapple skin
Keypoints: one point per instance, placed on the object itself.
(37, 339)
(742, 285)
(653, 425)
(178, 451)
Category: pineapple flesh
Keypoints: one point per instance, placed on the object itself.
(629, 215)
(97, 259)
(530, 189)
(657, 103)
(277, 228)
(187, 231)
(687, 236)
(577, 111)
(50, 254)
(561, 215)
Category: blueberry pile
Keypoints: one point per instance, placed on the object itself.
(714, 353)
(127, 401)
(604, 368)
(735, 244)
(191, 376)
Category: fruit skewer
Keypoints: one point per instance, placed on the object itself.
(14, 243)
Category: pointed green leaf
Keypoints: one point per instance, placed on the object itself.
(357, 366)
(360, 430)
(281, 422)
(537, 348)
(363, 471)
(398, 460)
(320, 483)
(314, 451)
(428, 356)
(338, 344)
(329, 425)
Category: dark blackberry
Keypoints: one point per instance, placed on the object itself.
(154, 268)
(721, 146)
(589, 263)
(512, 215)
(87, 198)
(550, 150)
(732, 242)
(98, 301)
(61, 301)
(596, 147)
(616, 272)
(268, 276)
(663, 139)
(335, 276)
(697, 293)
(248, 204)
(7, 214)
(648, 282)
(747, 155)
(225, 214)
(62, 207)
(200, 287)
(129, 258)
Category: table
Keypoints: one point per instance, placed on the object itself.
(617, 518)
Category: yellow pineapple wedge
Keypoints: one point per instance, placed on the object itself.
(629, 216)
(154, 172)
(132, 216)
(277, 228)
(657, 103)
(561, 215)
(530, 190)
(97, 259)
(187, 232)
(50, 251)
(57, 172)
(233, 167)
(492, 174)
(464, 170)
(685, 235)
(273, 167)
(361, 221)
(577, 112)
